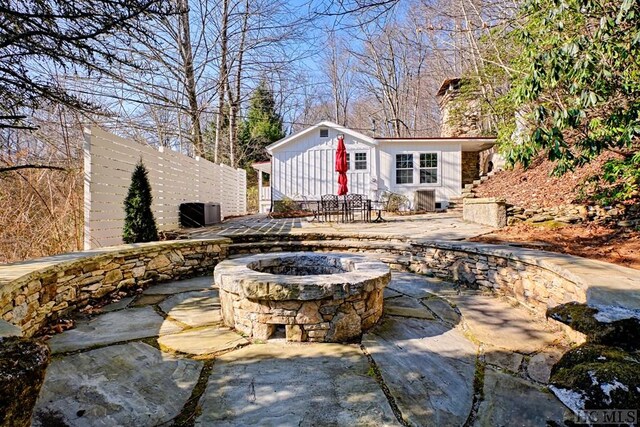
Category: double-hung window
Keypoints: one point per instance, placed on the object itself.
(404, 168)
(428, 168)
(348, 161)
(360, 161)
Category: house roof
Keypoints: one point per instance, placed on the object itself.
(262, 166)
(467, 143)
(470, 143)
(323, 124)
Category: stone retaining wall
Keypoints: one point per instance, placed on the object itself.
(621, 215)
(30, 297)
(69, 282)
(468, 264)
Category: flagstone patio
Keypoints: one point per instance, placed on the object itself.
(439, 356)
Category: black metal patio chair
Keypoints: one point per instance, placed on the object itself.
(330, 205)
(355, 203)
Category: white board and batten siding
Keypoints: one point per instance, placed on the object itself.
(305, 167)
(449, 157)
(175, 178)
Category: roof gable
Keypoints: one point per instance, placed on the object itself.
(324, 124)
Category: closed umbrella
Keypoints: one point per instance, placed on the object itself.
(341, 167)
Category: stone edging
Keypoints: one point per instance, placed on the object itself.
(36, 292)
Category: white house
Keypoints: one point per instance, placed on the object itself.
(303, 165)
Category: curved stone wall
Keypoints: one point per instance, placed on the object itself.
(36, 292)
(40, 291)
(536, 279)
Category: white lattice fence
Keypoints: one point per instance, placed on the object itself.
(175, 178)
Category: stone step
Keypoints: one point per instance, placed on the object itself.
(469, 196)
(468, 186)
(484, 178)
(477, 182)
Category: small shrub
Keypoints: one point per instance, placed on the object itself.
(395, 202)
(139, 223)
(288, 205)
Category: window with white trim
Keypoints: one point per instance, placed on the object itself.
(404, 168)
(324, 133)
(428, 168)
(348, 161)
(360, 161)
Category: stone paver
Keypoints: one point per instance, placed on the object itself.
(123, 385)
(292, 385)
(418, 286)
(442, 309)
(109, 328)
(175, 287)
(123, 303)
(390, 293)
(494, 321)
(539, 367)
(9, 330)
(428, 367)
(503, 359)
(143, 300)
(510, 401)
(437, 226)
(407, 307)
(207, 340)
(426, 358)
(194, 308)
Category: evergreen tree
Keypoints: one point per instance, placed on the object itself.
(139, 223)
(262, 126)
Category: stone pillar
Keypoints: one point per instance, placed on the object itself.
(486, 211)
(22, 367)
(470, 167)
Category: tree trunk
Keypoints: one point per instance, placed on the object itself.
(234, 98)
(223, 78)
(190, 79)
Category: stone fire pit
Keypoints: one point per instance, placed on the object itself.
(316, 297)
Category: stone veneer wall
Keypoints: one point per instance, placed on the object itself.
(69, 282)
(470, 167)
(43, 294)
(326, 320)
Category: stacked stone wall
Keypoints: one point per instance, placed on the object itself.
(32, 297)
(44, 295)
(621, 215)
(470, 167)
(326, 320)
(530, 284)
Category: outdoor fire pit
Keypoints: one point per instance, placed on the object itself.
(315, 297)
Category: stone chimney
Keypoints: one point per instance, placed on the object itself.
(461, 118)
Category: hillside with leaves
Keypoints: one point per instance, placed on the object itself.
(573, 75)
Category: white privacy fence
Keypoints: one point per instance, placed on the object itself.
(175, 178)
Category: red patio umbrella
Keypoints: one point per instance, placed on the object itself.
(341, 167)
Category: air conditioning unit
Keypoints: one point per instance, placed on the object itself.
(199, 214)
(424, 200)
